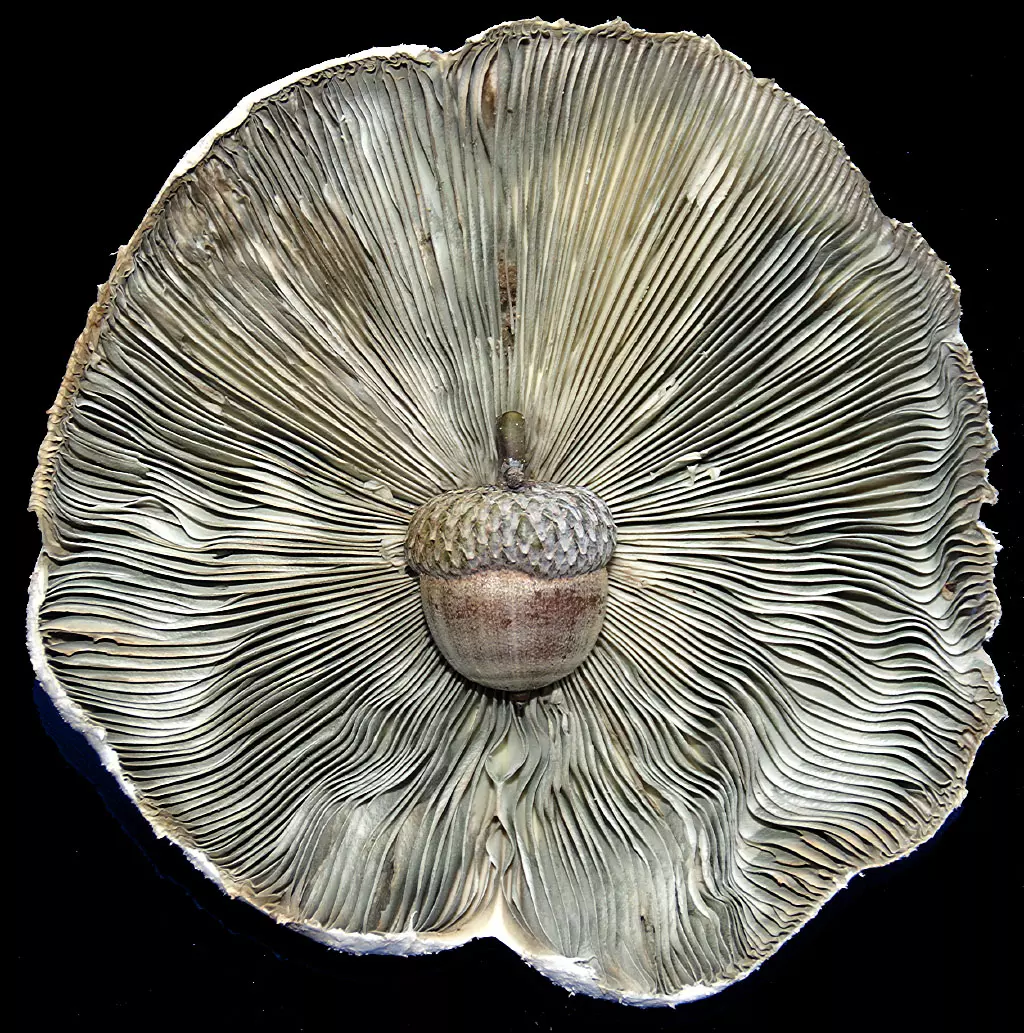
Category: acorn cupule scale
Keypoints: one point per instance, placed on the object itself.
(513, 581)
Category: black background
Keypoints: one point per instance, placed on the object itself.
(115, 928)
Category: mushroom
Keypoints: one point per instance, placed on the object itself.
(610, 284)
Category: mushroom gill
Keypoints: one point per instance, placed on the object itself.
(673, 271)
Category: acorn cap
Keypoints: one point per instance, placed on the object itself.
(547, 530)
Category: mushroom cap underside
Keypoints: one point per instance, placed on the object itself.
(674, 271)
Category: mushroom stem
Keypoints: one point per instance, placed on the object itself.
(512, 448)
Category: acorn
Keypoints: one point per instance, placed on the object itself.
(513, 576)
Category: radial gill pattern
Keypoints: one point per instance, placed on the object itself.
(675, 273)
